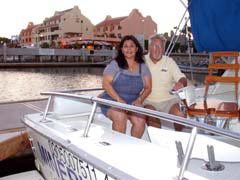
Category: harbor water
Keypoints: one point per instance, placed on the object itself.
(27, 84)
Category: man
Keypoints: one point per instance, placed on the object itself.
(166, 76)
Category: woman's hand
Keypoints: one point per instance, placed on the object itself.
(121, 100)
(137, 102)
(146, 91)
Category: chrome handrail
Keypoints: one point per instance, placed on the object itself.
(148, 112)
(79, 90)
(163, 116)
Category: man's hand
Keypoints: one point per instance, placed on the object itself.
(177, 86)
(180, 84)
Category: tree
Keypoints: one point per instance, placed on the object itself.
(52, 44)
(45, 45)
(76, 45)
(4, 40)
(59, 44)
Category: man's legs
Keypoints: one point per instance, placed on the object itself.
(175, 110)
(170, 106)
(152, 121)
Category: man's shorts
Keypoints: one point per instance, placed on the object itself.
(164, 106)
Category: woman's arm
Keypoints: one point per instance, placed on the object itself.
(107, 86)
(147, 88)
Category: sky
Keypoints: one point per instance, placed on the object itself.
(16, 14)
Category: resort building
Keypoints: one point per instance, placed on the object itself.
(134, 24)
(63, 24)
(26, 35)
(70, 27)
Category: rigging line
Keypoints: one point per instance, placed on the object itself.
(183, 3)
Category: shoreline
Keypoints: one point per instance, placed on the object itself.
(51, 64)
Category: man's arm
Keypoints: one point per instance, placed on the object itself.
(176, 72)
(182, 82)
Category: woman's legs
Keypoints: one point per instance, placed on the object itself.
(138, 124)
(119, 119)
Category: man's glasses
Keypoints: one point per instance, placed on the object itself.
(156, 46)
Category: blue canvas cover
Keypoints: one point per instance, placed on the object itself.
(215, 24)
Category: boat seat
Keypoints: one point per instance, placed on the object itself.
(210, 106)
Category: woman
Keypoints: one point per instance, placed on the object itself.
(127, 80)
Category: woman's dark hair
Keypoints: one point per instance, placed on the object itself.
(120, 58)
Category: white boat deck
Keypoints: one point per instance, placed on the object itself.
(138, 158)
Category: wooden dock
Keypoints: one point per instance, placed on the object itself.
(12, 143)
(40, 55)
(13, 135)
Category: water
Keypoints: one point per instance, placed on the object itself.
(27, 84)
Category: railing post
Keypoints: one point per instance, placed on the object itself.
(113, 52)
(46, 109)
(188, 153)
(4, 52)
(85, 134)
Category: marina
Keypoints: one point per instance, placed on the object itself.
(25, 98)
(68, 112)
(52, 126)
(30, 83)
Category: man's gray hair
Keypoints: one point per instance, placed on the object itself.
(158, 36)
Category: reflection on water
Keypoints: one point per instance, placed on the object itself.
(28, 83)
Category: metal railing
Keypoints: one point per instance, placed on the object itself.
(160, 115)
(144, 111)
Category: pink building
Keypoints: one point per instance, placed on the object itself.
(71, 26)
(26, 35)
(134, 24)
(62, 25)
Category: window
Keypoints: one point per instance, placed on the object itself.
(111, 27)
